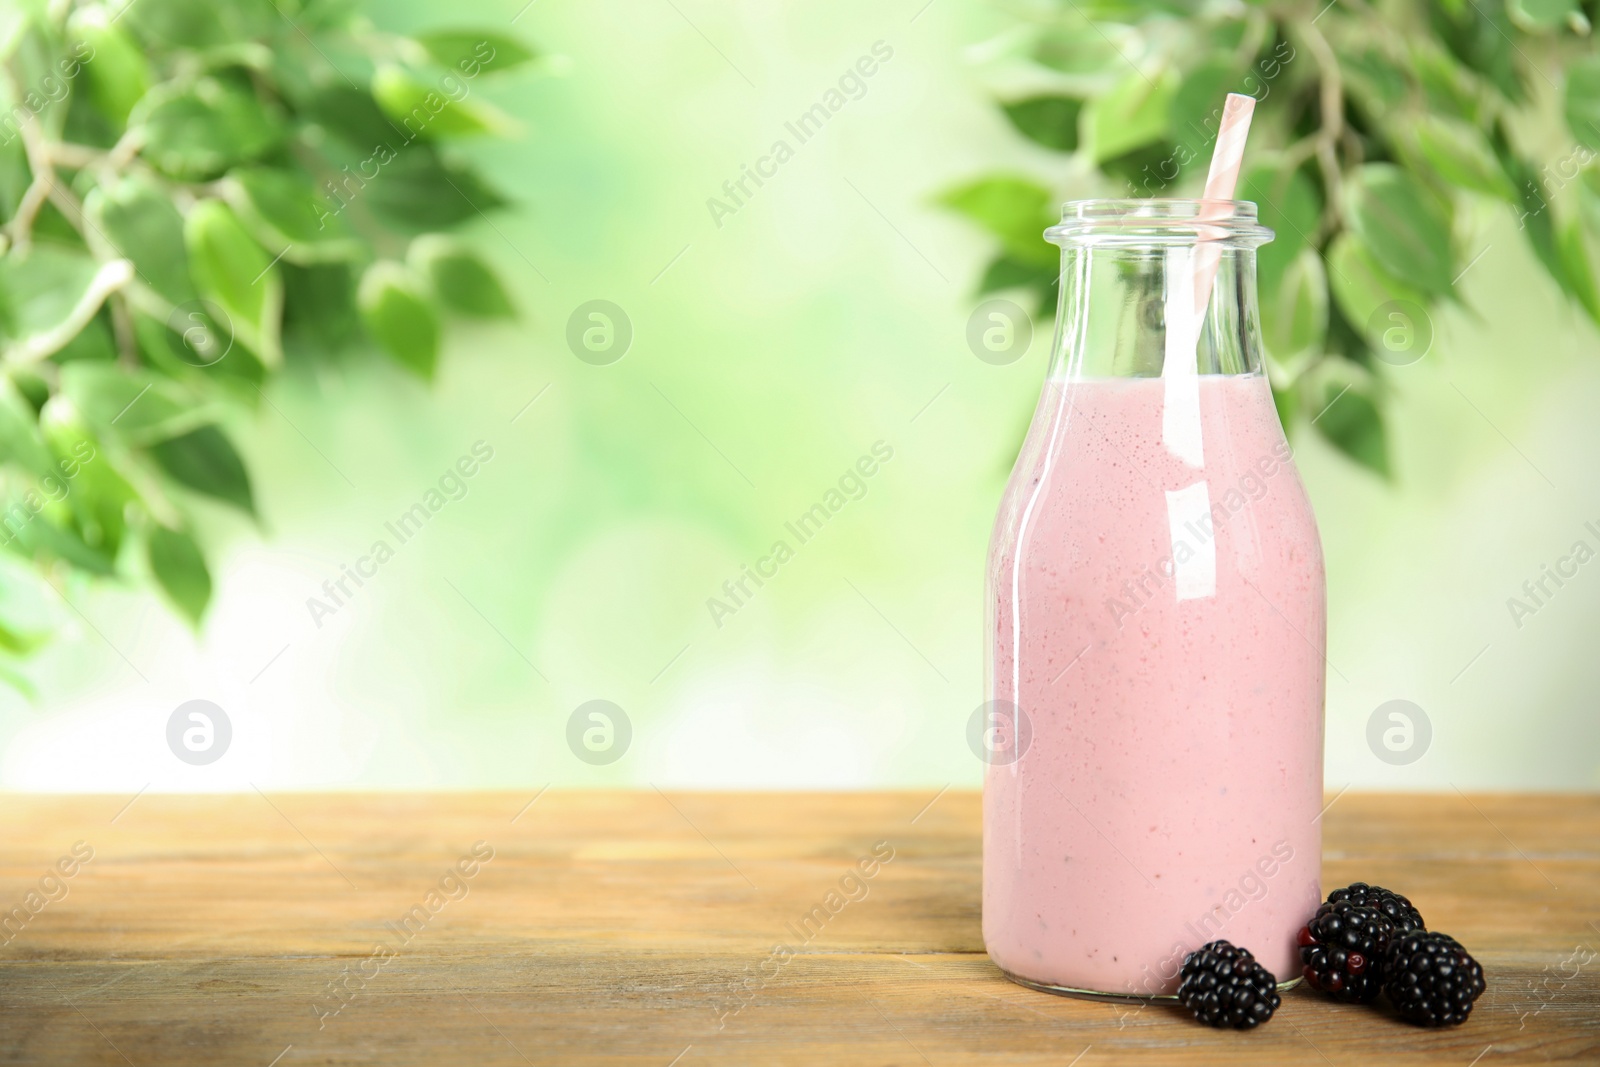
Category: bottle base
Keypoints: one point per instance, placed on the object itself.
(1120, 998)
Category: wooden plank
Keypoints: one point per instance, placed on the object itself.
(633, 928)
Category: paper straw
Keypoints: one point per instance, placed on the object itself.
(1185, 311)
(1229, 152)
(1220, 183)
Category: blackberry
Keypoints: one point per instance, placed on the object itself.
(1225, 986)
(1396, 908)
(1431, 980)
(1342, 950)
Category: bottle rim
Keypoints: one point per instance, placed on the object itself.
(1159, 222)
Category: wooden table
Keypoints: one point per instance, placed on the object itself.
(638, 928)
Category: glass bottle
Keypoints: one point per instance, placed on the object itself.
(1157, 626)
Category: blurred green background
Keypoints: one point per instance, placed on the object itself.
(769, 353)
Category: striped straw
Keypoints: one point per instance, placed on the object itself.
(1226, 159)
(1180, 415)
(1228, 154)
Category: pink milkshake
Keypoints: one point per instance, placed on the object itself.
(1158, 625)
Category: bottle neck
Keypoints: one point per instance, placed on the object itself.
(1128, 312)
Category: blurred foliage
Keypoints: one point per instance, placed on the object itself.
(190, 189)
(1379, 127)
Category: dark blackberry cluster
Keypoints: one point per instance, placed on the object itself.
(1431, 980)
(1366, 939)
(1224, 986)
(1396, 908)
(1342, 949)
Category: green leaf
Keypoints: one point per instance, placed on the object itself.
(1007, 273)
(1294, 315)
(285, 213)
(399, 317)
(196, 335)
(319, 308)
(462, 281)
(14, 19)
(197, 132)
(1147, 170)
(1375, 79)
(14, 174)
(41, 290)
(20, 440)
(41, 537)
(1082, 49)
(1135, 112)
(472, 52)
(117, 71)
(180, 568)
(1541, 16)
(1480, 36)
(1016, 210)
(1589, 196)
(427, 111)
(1457, 152)
(235, 272)
(34, 388)
(51, 299)
(138, 407)
(1582, 105)
(1287, 401)
(1534, 218)
(18, 643)
(1051, 121)
(201, 24)
(205, 460)
(421, 192)
(1360, 286)
(1403, 225)
(1446, 87)
(1286, 201)
(141, 223)
(354, 117)
(1575, 258)
(94, 343)
(99, 495)
(1350, 420)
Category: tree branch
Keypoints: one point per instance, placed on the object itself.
(108, 279)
